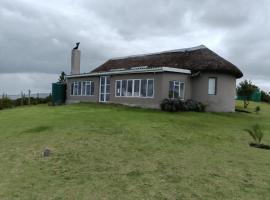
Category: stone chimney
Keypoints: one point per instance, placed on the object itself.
(75, 60)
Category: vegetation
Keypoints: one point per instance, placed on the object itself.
(256, 133)
(257, 109)
(62, 77)
(265, 97)
(114, 152)
(177, 105)
(245, 90)
(6, 102)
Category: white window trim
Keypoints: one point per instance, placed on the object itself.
(82, 92)
(184, 90)
(215, 93)
(133, 82)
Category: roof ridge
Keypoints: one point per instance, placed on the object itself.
(163, 52)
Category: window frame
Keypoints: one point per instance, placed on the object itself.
(215, 93)
(179, 90)
(133, 88)
(83, 92)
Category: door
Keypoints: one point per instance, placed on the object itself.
(104, 89)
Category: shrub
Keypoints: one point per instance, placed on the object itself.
(5, 102)
(256, 133)
(195, 106)
(170, 105)
(257, 109)
(175, 105)
(265, 97)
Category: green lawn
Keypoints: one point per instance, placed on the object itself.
(114, 152)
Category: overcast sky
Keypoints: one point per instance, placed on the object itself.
(36, 37)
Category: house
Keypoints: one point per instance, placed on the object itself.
(145, 80)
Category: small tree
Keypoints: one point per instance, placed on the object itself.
(245, 90)
(62, 78)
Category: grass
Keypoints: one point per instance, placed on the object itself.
(114, 152)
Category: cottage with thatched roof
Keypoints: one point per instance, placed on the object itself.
(145, 80)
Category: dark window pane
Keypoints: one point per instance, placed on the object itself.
(182, 90)
(150, 89)
(102, 80)
(88, 88)
(118, 88)
(136, 88)
(129, 88)
(176, 91)
(92, 88)
(102, 97)
(171, 85)
(72, 89)
(107, 88)
(124, 88)
(143, 88)
(79, 88)
(107, 97)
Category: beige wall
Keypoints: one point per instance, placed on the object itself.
(73, 99)
(195, 88)
(223, 101)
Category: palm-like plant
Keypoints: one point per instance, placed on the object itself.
(256, 133)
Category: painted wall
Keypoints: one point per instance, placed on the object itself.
(224, 100)
(76, 99)
(195, 88)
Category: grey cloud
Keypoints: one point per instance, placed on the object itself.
(37, 36)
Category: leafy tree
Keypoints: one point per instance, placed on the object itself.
(62, 78)
(265, 97)
(245, 90)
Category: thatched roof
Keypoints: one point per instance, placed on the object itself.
(195, 59)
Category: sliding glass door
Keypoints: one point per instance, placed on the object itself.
(104, 89)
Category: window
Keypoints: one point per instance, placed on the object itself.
(84, 88)
(124, 88)
(118, 88)
(134, 88)
(137, 88)
(212, 86)
(176, 89)
(129, 88)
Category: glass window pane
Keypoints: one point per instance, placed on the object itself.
(212, 86)
(107, 97)
(72, 89)
(171, 84)
(92, 88)
(83, 87)
(136, 88)
(143, 88)
(102, 82)
(182, 90)
(118, 88)
(176, 91)
(129, 88)
(79, 88)
(102, 97)
(124, 88)
(107, 88)
(150, 89)
(88, 88)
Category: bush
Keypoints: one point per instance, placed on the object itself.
(195, 106)
(256, 133)
(257, 109)
(265, 97)
(5, 102)
(176, 105)
(170, 105)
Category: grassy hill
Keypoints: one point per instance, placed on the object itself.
(114, 152)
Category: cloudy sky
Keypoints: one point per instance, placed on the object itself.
(36, 36)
